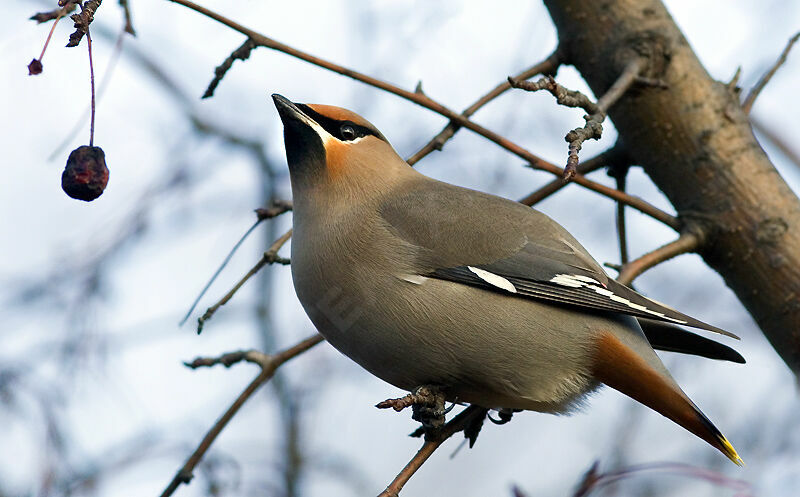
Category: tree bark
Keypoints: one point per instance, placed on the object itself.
(696, 144)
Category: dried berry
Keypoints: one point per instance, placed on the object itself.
(86, 174)
(35, 67)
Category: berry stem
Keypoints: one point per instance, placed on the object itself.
(91, 78)
(50, 35)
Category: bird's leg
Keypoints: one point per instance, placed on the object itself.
(427, 402)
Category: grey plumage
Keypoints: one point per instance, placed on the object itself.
(426, 283)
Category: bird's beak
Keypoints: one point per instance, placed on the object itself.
(289, 111)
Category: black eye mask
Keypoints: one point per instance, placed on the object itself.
(335, 127)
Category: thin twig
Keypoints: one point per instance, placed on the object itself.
(594, 480)
(241, 53)
(126, 11)
(464, 418)
(614, 155)
(277, 208)
(82, 21)
(747, 105)
(424, 101)
(547, 66)
(622, 234)
(56, 13)
(270, 257)
(596, 112)
(269, 364)
(620, 173)
(687, 242)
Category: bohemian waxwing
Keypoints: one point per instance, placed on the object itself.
(426, 283)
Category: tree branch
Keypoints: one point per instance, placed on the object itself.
(464, 419)
(277, 208)
(269, 364)
(596, 112)
(241, 53)
(697, 145)
(270, 257)
(747, 105)
(687, 242)
(608, 158)
(425, 101)
(547, 66)
(620, 173)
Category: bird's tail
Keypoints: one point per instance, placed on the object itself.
(622, 369)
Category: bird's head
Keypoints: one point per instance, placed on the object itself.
(329, 145)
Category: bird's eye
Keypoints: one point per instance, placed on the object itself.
(348, 132)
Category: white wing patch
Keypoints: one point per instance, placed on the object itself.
(567, 280)
(579, 281)
(493, 279)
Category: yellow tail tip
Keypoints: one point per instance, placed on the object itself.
(730, 452)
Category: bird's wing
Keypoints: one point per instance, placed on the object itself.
(476, 239)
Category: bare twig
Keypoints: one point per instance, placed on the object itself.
(620, 173)
(126, 10)
(621, 228)
(687, 242)
(269, 364)
(241, 53)
(228, 359)
(82, 21)
(747, 105)
(588, 481)
(614, 155)
(56, 13)
(424, 101)
(547, 66)
(270, 257)
(464, 419)
(596, 112)
(594, 480)
(277, 208)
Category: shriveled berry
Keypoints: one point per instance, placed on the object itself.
(86, 174)
(35, 67)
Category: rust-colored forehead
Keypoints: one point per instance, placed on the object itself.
(340, 114)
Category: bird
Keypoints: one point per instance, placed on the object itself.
(422, 282)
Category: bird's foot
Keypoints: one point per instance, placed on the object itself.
(427, 402)
(503, 416)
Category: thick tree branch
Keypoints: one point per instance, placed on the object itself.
(695, 142)
(747, 105)
(424, 101)
(269, 364)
